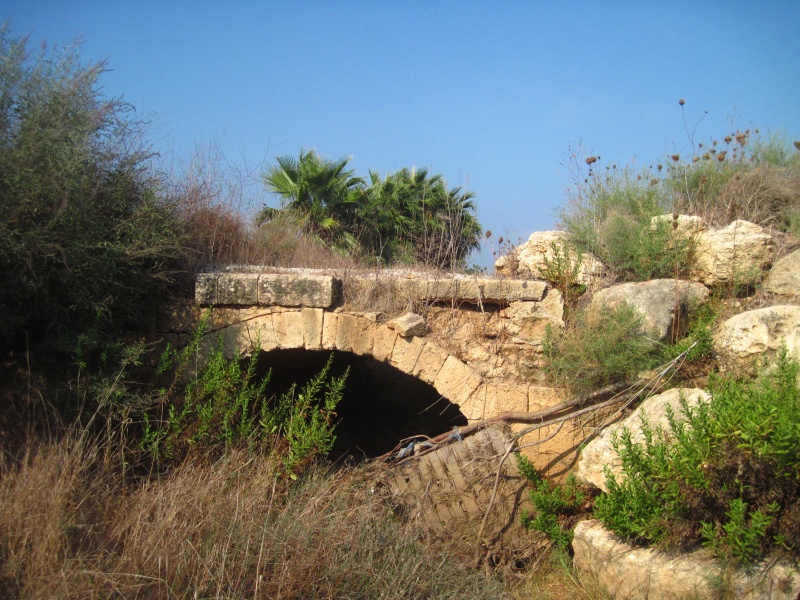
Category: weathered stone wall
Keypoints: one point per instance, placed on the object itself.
(481, 349)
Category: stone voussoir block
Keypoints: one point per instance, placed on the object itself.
(456, 381)
(288, 327)
(311, 322)
(504, 397)
(261, 332)
(330, 326)
(383, 343)
(430, 362)
(355, 333)
(474, 407)
(406, 353)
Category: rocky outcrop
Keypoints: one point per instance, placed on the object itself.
(528, 321)
(529, 258)
(784, 277)
(736, 254)
(747, 340)
(630, 573)
(663, 303)
(599, 453)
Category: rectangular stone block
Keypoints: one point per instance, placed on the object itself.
(506, 397)
(288, 329)
(205, 289)
(312, 328)
(406, 353)
(237, 288)
(541, 397)
(330, 325)
(474, 407)
(443, 290)
(456, 381)
(430, 362)
(513, 290)
(357, 333)
(261, 332)
(314, 291)
(345, 331)
(383, 343)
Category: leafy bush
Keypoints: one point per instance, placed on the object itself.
(562, 270)
(552, 504)
(597, 349)
(725, 475)
(85, 239)
(226, 406)
(697, 340)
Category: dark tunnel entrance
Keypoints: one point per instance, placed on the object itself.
(380, 406)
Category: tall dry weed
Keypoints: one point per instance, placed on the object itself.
(73, 528)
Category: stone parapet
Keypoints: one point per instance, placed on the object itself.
(268, 289)
(300, 288)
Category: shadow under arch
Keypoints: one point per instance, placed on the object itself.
(381, 404)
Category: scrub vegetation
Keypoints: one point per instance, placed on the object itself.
(121, 479)
(745, 175)
(723, 475)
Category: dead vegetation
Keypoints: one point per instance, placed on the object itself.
(75, 527)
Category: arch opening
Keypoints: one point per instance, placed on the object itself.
(380, 406)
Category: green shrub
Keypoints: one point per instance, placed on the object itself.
(725, 475)
(85, 239)
(562, 270)
(225, 405)
(552, 504)
(743, 176)
(597, 349)
(697, 339)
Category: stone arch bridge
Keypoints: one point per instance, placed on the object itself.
(480, 349)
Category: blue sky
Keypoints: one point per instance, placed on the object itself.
(490, 94)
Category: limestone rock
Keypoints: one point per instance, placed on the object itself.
(687, 224)
(600, 452)
(528, 321)
(746, 340)
(737, 253)
(506, 265)
(409, 325)
(784, 278)
(656, 301)
(630, 573)
(530, 257)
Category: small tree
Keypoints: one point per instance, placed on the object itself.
(85, 239)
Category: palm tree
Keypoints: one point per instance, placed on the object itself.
(323, 192)
(411, 215)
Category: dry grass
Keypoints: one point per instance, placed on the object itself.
(763, 194)
(73, 527)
